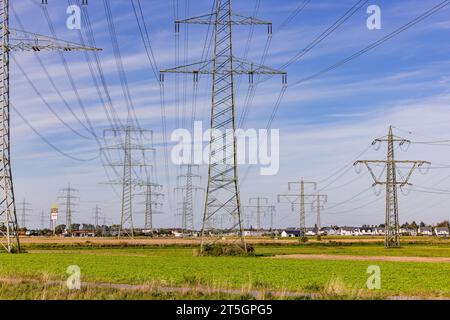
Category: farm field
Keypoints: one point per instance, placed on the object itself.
(173, 272)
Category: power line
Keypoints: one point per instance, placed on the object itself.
(375, 44)
(54, 147)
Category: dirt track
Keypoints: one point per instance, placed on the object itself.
(362, 258)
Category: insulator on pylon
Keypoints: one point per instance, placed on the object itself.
(376, 145)
(84, 2)
(376, 189)
(44, 2)
(404, 145)
(177, 27)
(357, 167)
(424, 168)
(195, 73)
(404, 190)
(250, 77)
(284, 79)
(269, 29)
(161, 77)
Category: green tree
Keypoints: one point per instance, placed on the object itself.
(60, 229)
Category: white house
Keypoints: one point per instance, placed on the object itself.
(426, 231)
(329, 231)
(347, 231)
(377, 231)
(442, 231)
(366, 231)
(408, 232)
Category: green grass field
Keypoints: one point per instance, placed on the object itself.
(178, 267)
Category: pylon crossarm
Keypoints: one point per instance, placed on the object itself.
(416, 164)
(27, 41)
(240, 67)
(130, 146)
(236, 19)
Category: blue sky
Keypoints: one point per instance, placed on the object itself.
(324, 123)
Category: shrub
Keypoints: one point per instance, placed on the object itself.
(216, 250)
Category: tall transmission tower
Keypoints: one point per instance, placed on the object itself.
(153, 200)
(301, 199)
(129, 147)
(68, 200)
(16, 40)
(272, 213)
(24, 209)
(222, 192)
(97, 213)
(392, 232)
(318, 204)
(43, 217)
(187, 189)
(259, 206)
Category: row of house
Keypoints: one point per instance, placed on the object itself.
(366, 231)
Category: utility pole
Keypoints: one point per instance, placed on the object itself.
(392, 232)
(68, 200)
(153, 199)
(222, 192)
(25, 208)
(260, 206)
(16, 40)
(318, 204)
(187, 190)
(301, 199)
(131, 143)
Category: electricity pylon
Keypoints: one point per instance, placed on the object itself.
(97, 213)
(272, 213)
(153, 200)
(301, 199)
(43, 216)
(319, 204)
(187, 191)
(68, 200)
(392, 232)
(259, 206)
(16, 40)
(222, 192)
(128, 146)
(24, 209)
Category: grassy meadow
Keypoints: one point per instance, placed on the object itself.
(177, 267)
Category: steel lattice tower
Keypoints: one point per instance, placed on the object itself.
(222, 192)
(25, 207)
(131, 142)
(187, 192)
(97, 212)
(68, 202)
(392, 232)
(300, 199)
(318, 204)
(153, 200)
(15, 40)
(260, 206)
